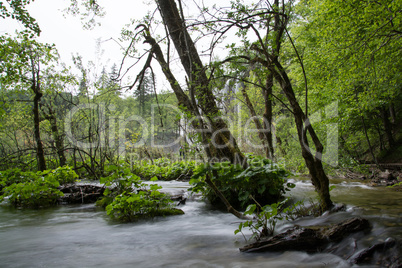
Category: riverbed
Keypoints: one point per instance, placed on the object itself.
(84, 236)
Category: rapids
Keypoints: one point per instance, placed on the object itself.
(84, 236)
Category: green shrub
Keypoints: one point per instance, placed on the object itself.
(119, 180)
(15, 175)
(35, 193)
(164, 169)
(129, 206)
(63, 175)
(34, 190)
(127, 198)
(262, 180)
(266, 218)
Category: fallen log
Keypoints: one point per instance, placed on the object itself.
(308, 239)
(80, 194)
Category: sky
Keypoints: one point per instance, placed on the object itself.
(67, 33)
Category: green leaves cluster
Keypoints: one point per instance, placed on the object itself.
(145, 202)
(266, 218)
(16, 9)
(164, 169)
(127, 198)
(262, 180)
(351, 52)
(36, 193)
(34, 190)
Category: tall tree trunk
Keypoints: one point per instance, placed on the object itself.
(40, 154)
(387, 127)
(368, 141)
(268, 115)
(222, 144)
(35, 86)
(313, 163)
(58, 140)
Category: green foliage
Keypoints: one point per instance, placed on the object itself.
(63, 175)
(37, 192)
(119, 179)
(15, 176)
(34, 190)
(266, 218)
(129, 206)
(164, 169)
(351, 52)
(17, 10)
(127, 198)
(262, 180)
(395, 185)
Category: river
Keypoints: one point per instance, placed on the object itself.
(84, 236)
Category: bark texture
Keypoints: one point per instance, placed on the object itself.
(35, 86)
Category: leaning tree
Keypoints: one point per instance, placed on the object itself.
(268, 21)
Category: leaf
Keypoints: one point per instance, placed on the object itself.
(250, 209)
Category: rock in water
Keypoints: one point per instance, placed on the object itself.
(387, 253)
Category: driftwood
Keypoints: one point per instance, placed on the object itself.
(309, 239)
(80, 194)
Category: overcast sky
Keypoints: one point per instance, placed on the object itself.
(67, 32)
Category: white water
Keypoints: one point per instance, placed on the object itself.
(83, 236)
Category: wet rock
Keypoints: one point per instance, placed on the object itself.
(385, 254)
(309, 239)
(386, 175)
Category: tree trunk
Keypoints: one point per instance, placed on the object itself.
(222, 144)
(387, 127)
(268, 115)
(218, 141)
(40, 154)
(256, 120)
(58, 140)
(313, 163)
(368, 141)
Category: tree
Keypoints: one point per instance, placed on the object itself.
(352, 51)
(15, 9)
(144, 92)
(218, 141)
(269, 23)
(22, 59)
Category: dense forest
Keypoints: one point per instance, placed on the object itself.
(258, 90)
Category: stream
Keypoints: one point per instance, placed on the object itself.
(84, 236)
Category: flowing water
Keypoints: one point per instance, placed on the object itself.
(83, 235)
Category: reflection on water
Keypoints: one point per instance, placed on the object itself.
(83, 236)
